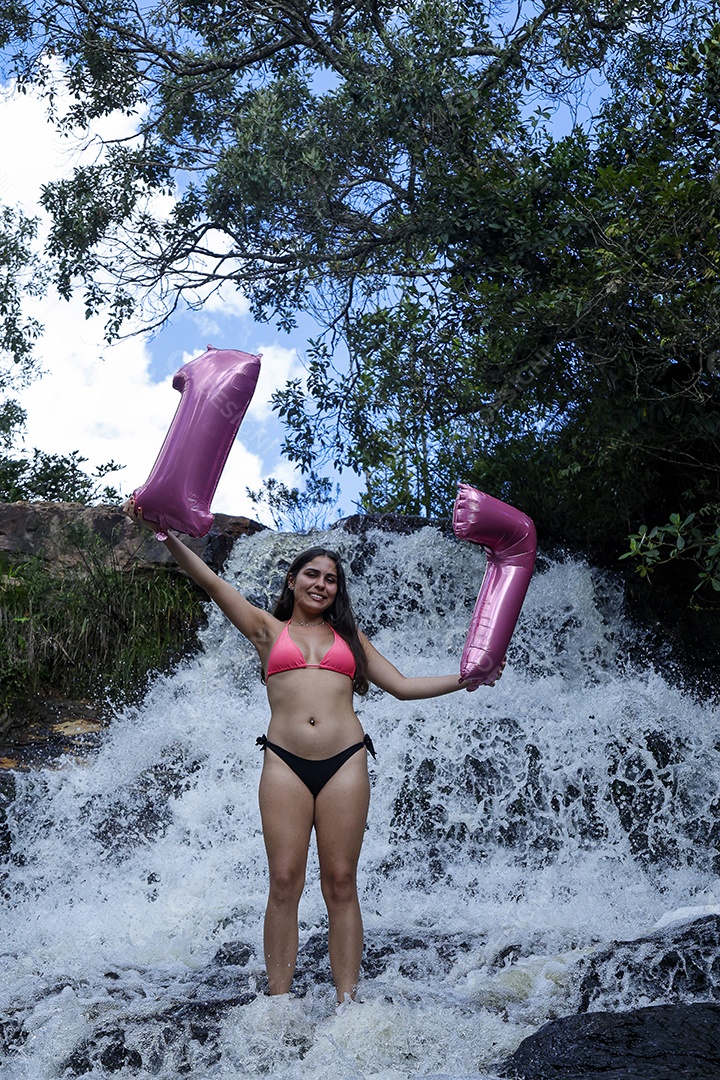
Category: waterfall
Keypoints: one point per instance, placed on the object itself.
(513, 833)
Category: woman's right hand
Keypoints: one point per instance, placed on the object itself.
(131, 511)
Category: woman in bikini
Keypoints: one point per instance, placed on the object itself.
(315, 769)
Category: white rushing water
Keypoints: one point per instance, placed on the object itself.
(512, 831)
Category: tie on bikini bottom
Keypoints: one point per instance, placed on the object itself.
(315, 774)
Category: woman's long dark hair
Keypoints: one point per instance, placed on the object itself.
(340, 615)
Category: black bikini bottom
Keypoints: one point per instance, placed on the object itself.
(315, 774)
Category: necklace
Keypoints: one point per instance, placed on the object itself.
(298, 623)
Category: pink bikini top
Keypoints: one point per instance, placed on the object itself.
(286, 655)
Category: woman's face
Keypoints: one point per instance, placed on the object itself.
(315, 585)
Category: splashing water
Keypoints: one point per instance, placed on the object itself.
(512, 832)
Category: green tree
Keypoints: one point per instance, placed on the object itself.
(300, 511)
(33, 475)
(18, 332)
(569, 362)
(532, 312)
(320, 153)
(55, 478)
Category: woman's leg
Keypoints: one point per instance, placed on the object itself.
(286, 809)
(340, 815)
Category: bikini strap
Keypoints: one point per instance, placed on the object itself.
(367, 741)
(261, 741)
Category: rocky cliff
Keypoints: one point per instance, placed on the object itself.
(45, 529)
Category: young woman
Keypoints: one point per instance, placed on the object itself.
(315, 770)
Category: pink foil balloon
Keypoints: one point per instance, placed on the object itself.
(216, 390)
(510, 543)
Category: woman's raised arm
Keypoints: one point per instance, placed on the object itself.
(257, 625)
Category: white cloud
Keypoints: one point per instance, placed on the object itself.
(103, 401)
(34, 153)
(104, 404)
(276, 367)
(227, 300)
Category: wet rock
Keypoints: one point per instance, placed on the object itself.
(234, 954)
(7, 794)
(662, 1042)
(313, 965)
(116, 1056)
(382, 953)
(401, 524)
(677, 964)
(418, 956)
(12, 1036)
(48, 729)
(182, 1041)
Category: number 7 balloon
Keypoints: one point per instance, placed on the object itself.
(510, 543)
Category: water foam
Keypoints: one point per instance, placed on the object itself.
(512, 831)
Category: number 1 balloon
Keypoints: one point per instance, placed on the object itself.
(510, 543)
(216, 390)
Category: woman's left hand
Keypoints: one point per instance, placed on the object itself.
(471, 686)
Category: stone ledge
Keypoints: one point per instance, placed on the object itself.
(37, 529)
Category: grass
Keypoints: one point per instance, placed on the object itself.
(90, 631)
